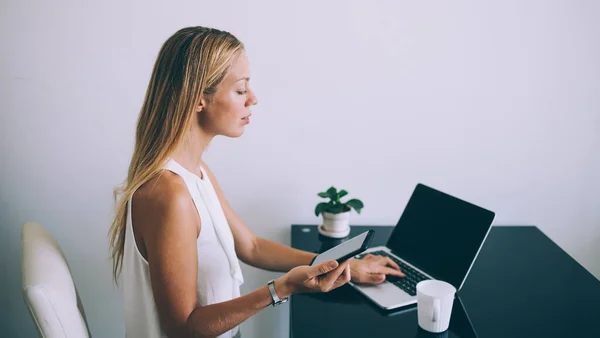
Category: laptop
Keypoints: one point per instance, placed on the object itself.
(438, 236)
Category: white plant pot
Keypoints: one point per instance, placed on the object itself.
(336, 223)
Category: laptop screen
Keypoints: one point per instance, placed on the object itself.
(440, 234)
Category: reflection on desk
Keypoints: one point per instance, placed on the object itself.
(350, 316)
(522, 285)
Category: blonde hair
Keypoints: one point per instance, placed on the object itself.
(190, 64)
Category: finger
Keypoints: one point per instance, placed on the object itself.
(390, 262)
(322, 268)
(388, 271)
(348, 275)
(327, 282)
(343, 278)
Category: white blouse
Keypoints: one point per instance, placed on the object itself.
(219, 272)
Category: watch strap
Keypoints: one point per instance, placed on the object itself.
(276, 299)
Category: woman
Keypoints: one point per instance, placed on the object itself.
(175, 238)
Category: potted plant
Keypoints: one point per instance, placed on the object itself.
(336, 214)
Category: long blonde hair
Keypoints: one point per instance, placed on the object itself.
(190, 64)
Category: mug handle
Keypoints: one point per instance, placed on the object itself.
(436, 310)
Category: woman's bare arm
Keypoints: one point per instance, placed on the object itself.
(164, 213)
(256, 251)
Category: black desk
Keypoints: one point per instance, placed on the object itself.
(522, 285)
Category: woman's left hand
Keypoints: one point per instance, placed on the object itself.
(373, 269)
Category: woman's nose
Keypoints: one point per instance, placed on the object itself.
(252, 100)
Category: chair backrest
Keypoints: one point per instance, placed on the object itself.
(48, 287)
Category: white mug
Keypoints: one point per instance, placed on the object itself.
(434, 305)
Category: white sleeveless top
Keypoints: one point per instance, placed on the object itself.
(219, 273)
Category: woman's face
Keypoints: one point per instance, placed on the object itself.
(227, 110)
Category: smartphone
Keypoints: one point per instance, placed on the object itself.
(346, 250)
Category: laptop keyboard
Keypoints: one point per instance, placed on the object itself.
(408, 283)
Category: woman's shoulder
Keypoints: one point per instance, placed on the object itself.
(163, 213)
(164, 196)
(165, 187)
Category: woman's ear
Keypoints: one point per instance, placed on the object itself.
(201, 105)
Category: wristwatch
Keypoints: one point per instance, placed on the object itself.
(276, 299)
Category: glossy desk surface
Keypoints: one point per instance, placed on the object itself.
(522, 285)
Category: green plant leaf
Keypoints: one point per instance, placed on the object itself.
(342, 193)
(355, 204)
(323, 194)
(336, 209)
(321, 207)
(332, 193)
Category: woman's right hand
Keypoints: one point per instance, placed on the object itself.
(322, 277)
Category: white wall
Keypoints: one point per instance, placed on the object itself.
(495, 102)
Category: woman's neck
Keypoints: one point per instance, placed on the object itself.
(189, 153)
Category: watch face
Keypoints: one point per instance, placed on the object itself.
(280, 301)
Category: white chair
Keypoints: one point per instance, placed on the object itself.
(48, 287)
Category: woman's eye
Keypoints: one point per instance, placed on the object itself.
(242, 92)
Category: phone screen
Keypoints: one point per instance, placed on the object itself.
(346, 250)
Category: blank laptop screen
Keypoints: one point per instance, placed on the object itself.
(440, 234)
